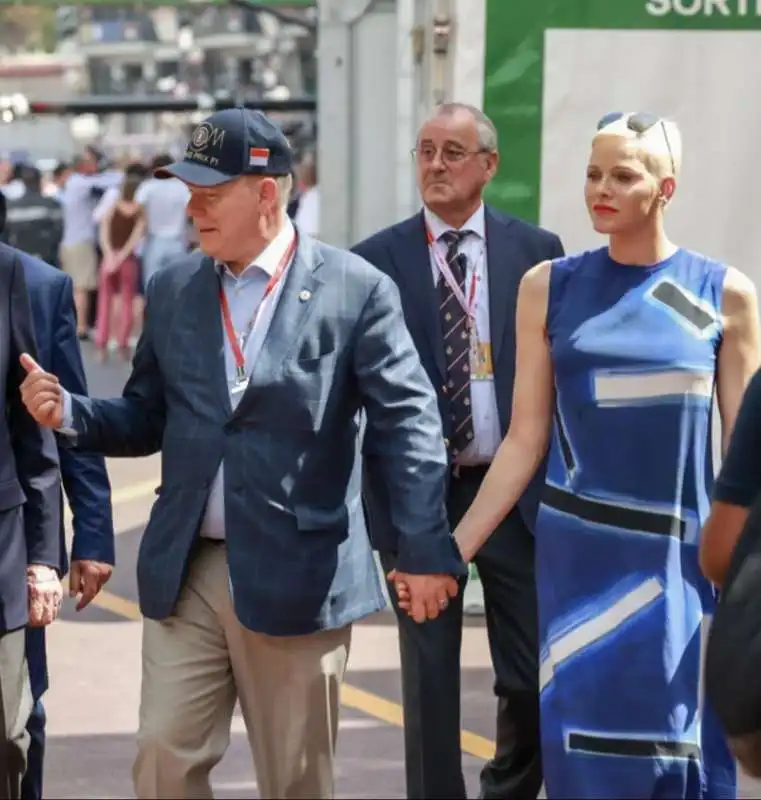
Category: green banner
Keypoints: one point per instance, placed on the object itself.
(515, 62)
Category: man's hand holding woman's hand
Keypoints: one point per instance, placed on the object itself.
(417, 604)
(423, 597)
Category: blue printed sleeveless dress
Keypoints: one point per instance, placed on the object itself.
(623, 607)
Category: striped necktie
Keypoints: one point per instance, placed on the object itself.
(454, 326)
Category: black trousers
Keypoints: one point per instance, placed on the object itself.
(15, 707)
(430, 656)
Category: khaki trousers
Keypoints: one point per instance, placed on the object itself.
(200, 660)
(15, 708)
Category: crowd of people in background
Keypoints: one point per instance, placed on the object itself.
(111, 227)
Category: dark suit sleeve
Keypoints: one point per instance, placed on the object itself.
(375, 254)
(34, 447)
(132, 425)
(557, 249)
(403, 435)
(84, 475)
(363, 250)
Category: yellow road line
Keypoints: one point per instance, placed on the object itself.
(118, 605)
(360, 700)
(136, 491)
(386, 710)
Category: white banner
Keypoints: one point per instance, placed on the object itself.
(694, 77)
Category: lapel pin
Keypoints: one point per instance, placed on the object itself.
(304, 295)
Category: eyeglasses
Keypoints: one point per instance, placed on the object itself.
(640, 123)
(449, 155)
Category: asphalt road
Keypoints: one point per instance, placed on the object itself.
(95, 676)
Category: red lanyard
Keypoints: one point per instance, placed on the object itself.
(469, 304)
(235, 345)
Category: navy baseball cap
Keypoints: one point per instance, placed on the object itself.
(229, 144)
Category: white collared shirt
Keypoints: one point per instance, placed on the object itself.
(487, 435)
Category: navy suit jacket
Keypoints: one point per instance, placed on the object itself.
(84, 475)
(29, 474)
(512, 248)
(298, 550)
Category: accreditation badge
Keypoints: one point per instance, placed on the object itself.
(481, 367)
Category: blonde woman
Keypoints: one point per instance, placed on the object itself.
(620, 352)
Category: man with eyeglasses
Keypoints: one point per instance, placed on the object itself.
(458, 264)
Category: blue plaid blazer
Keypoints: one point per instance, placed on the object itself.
(332, 368)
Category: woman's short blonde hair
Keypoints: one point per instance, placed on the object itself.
(660, 146)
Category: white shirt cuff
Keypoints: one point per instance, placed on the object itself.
(68, 416)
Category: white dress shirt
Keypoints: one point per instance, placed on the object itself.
(487, 435)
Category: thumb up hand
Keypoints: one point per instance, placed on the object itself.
(42, 394)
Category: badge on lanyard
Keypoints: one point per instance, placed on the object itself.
(238, 343)
(239, 384)
(481, 367)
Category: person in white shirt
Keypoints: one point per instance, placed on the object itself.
(165, 204)
(78, 254)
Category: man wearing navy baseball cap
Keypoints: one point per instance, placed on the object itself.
(257, 357)
(230, 144)
(225, 160)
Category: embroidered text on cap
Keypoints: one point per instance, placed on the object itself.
(205, 134)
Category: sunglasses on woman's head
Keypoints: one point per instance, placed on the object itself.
(640, 123)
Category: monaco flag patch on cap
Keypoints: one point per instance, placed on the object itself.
(258, 157)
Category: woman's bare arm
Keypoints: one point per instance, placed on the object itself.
(525, 445)
(739, 358)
